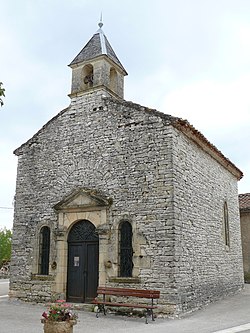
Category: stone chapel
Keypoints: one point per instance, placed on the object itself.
(109, 192)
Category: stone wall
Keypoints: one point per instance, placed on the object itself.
(169, 189)
(206, 269)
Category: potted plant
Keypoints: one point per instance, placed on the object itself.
(59, 318)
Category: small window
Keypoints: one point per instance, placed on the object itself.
(44, 249)
(88, 76)
(113, 80)
(126, 249)
(226, 224)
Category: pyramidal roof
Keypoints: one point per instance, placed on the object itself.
(98, 45)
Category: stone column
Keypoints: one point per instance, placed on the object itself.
(104, 236)
(61, 264)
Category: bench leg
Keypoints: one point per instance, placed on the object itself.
(101, 308)
(152, 315)
(97, 312)
(149, 312)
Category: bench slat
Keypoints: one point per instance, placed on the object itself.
(128, 292)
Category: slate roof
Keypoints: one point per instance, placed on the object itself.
(98, 45)
(244, 201)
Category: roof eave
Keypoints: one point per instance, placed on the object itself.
(19, 151)
(245, 210)
(86, 61)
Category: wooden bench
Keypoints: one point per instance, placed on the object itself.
(125, 292)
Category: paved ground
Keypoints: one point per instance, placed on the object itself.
(4, 286)
(233, 313)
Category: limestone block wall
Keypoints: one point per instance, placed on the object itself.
(101, 71)
(118, 149)
(206, 268)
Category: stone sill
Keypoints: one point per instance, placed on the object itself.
(125, 279)
(38, 277)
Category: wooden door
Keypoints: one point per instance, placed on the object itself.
(83, 257)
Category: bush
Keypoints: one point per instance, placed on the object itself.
(5, 246)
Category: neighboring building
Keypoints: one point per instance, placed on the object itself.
(244, 200)
(111, 192)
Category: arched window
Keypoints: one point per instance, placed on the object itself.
(44, 249)
(113, 80)
(88, 76)
(226, 225)
(126, 249)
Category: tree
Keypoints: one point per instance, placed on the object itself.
(2, 90)
(5, 246)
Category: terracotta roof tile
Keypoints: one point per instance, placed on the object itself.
(244, 200)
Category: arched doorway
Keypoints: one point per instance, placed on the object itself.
(83, 258)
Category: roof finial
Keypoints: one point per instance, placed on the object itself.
(100, 24)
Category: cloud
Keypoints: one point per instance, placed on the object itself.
(185, 58)
(220, 111)
(7, 181)
(211, 105)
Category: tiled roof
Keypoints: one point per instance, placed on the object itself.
(96, 46)
(244, 201)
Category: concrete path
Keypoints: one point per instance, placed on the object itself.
(230, 315)
(4, 287)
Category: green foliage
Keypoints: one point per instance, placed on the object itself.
(2, 90)
(5, 246)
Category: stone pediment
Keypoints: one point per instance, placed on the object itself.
(82, 199)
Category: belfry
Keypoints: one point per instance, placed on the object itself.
(97, 67)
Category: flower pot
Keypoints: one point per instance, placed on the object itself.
(58, 326)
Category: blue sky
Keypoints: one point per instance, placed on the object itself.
(187, 58)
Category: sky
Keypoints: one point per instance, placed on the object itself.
(187, 58)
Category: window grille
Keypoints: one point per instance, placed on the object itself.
(44, 249)
(126, 250)
(83, 230)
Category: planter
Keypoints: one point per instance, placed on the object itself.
(58, 326)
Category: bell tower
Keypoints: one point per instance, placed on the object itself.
(97, 68)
